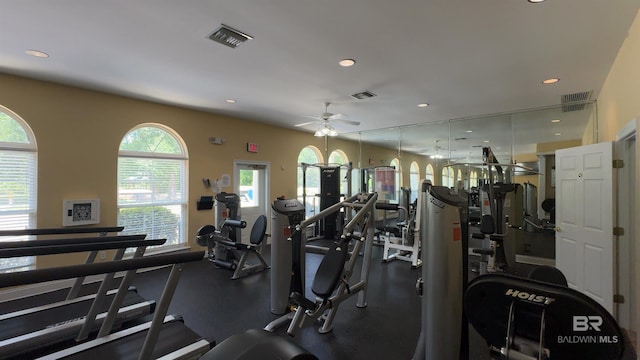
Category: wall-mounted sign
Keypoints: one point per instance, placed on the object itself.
(252, 147)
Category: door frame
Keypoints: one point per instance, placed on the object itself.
(626, 212)
(266, 193)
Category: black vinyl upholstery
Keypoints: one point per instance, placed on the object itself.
(258, 230)
(548, 274)
(258, 344)
(487, 226)
(329, 271)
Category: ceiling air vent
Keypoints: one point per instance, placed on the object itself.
(228, 36)
(363, 95)
(575, 101)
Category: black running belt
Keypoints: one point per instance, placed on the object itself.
(174, 336)
(51, 316)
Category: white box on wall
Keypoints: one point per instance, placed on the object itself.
(80, 212)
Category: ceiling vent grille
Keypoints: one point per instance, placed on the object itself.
(228, 36)
(575, 101)
(363, 95)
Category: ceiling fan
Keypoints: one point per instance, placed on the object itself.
(325, 118)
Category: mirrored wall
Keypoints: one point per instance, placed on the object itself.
(517, 137)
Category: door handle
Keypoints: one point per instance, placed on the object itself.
(556, 229)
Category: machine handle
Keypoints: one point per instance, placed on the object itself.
(235, 223)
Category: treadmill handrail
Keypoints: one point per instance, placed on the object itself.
(68, 241)
(72, 271)
(59, 231)
(64, 249)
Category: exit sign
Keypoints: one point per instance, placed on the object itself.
(252, 147)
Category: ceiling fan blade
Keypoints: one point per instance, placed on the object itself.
(345, 121)
(308, 123)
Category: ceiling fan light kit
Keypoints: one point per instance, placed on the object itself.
(326, 131)
(325, 118)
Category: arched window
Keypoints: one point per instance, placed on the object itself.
(451, 177)
(459, 178)
(414, 180)
(152, 184)
(18, 174)
(338, 157)
(395, 163)
(430, 174)
(473, 179)
(447, 176)
(308, 156)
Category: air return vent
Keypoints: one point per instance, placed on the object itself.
(363, 95)
(575, 101)
(232, 38)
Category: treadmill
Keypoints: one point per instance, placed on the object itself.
(162, 337)
(102, 232)
(27, 330)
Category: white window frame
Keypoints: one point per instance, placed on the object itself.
(430, 174)
(414, 180)
(183, 203)
(25, 262)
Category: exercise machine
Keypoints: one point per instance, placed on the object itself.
(223, 244)
(287, 254)
(502, 209)
(332, 283)
(529, 319)
(329, 195)
(153, 339)
(444, 239)
(103, 231)
(401, 242)
(237, 262)
(30, 329)
(258, 344)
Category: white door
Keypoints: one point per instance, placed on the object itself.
(584, 220)
(251, 184)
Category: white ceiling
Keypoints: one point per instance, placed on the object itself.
(463, 57)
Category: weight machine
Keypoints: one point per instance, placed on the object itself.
(401, 242)
(328, 227)
(223, 244)
(332, 283)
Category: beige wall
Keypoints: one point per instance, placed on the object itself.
(78, 133)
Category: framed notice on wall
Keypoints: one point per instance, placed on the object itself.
(80, 212)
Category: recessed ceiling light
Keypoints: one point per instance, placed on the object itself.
(557, 134)
(469, 131)
(347, 62)
(535, 1)
(37, 53)
(550, 81)
(486, 141)
(555, 120)
(231, 101)
(423, 105)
